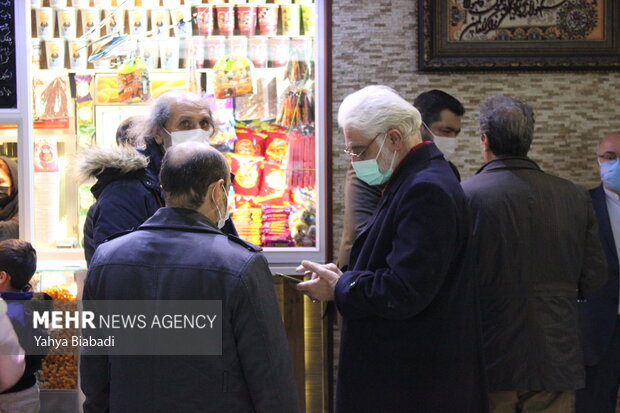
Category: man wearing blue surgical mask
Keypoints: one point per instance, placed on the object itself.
(407, 296)
(127, 189)
(442, 113)
(601, 312)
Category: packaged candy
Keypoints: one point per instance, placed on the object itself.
(52, 92)
(134, 84)
(249, 143)
(275, 229)
(248, 173)
(224, 118)
(83, 88)
(233, 77)
(274, 190)
(276, 146)
(248, 222)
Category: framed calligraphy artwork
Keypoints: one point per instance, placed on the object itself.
(457, 35)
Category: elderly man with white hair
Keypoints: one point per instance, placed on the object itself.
(410, 334)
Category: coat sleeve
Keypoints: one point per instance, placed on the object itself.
(122, 206)
(594, 269)
(360, 202)
(425, 226)
(10, 228)
(261, 341)
(12, 360)
(94, 369)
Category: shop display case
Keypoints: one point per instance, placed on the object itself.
(262, 66)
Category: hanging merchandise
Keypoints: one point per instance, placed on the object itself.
(262, 104)
(297, 107)
(85, 112)
(233, 77)
(248, 173)
(224, 136)
(301, 160)
(51, 95)
(273, 190)
(249, 142)
(134, 84)
(193, 45)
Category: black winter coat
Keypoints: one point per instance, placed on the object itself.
(411, 338)
(536, 247)
(127, 191)
(179, 255)
(600, 311)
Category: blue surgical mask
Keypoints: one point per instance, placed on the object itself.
(369, 172)
(610, 174)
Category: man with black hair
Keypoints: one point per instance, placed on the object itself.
(441, 123)
(535, 250)
(18, 262)
(181, 253)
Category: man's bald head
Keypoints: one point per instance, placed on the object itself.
(187, 172)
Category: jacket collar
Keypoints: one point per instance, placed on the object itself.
(15, 295)
(188, 220)
(180, 218)
(509, 162)
(155, 155)
(420, 153)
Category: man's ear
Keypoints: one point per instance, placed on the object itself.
(5, 279)
(484, 142)
(395, 137)
(159, 136)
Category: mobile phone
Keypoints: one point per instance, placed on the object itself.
(289, 278)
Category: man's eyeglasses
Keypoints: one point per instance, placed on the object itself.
(358, 155)
(608, 156)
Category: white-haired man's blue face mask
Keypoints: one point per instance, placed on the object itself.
(369, 171)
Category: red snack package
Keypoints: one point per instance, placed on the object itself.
(249, 143)
(248, 173)
(276, 146)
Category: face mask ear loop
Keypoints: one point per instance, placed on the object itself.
(219, 214)
(381, 147)
(392, 163)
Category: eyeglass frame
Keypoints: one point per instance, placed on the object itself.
(358, 156)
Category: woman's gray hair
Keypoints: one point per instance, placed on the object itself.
(161, 111)
(508, 124)
(376, 109)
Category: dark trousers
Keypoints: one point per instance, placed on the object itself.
(602, 381)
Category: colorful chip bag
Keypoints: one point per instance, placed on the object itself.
(248, 174)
